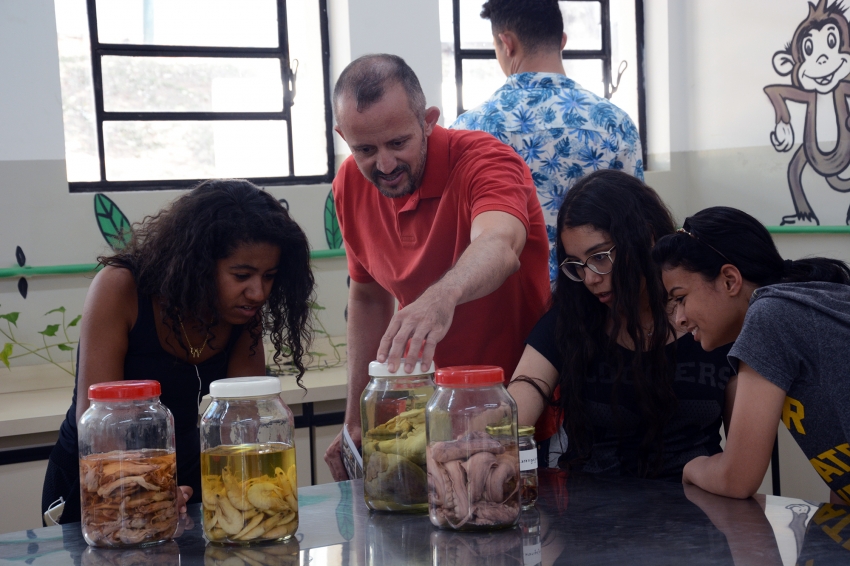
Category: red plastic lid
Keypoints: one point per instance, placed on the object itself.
(142, 389)
(469, 376)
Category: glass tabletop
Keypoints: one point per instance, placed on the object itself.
(578, 519)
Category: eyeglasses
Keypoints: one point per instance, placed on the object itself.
(692, 235)
(601, 264)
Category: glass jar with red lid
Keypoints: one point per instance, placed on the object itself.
(472, 454)
(128, 466)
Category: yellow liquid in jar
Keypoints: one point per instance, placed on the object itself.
(395, 477)
(249, 492)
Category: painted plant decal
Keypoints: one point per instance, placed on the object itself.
(332, 232)
(114, 226)
(21, 258)
(818, 62)
(58, 333)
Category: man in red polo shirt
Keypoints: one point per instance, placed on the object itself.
(446, 222)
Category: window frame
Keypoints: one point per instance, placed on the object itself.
(603, 55)
(281, 52)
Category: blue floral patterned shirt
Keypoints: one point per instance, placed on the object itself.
(562, 131)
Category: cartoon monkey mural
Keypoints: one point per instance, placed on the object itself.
(818, 60)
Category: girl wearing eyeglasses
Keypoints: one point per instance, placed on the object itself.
(637, 398)
(790, 321)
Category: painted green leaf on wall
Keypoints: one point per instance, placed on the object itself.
(50, 330)
(5, 353)
(114, 226)
(11, 317)
(332, 232)
(76, 320)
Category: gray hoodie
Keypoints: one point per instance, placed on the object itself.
(797, 336)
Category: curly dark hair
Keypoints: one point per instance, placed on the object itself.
(635, 217)
(536, 23)
(174, 253)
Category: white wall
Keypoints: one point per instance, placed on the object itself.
(708, 62)
(31, 109)
(407, 28)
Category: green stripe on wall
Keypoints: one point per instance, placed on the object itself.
(71, 269)
(808, 229)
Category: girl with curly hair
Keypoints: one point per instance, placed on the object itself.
(187, 303)
(790, 321)
(637, 397)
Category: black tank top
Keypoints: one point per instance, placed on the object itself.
(182, 388)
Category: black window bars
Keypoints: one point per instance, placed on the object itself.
(288, 76)
(603, 55)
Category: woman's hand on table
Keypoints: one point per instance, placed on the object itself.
(184, 494)
(739, 469)
(686, 471)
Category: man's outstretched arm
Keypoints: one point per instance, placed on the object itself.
(497, 240)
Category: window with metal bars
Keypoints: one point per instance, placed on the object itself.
(600, 34)
(159, 94)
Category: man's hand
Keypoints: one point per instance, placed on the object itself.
(333, 455)
(496, 242)
(424, 322)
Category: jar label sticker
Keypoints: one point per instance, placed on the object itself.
(531, 554)
(527, 460)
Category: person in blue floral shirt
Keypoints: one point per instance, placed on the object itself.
(561, 130)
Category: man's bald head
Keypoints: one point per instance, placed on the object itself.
(366, 79)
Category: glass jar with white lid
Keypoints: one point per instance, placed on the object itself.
(249, 484)
(392, 410)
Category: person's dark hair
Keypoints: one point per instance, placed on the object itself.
(537, 23)
(716, 236)
(173, 254)
(634, 216)
(367, 78)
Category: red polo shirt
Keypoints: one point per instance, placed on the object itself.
(406, 244)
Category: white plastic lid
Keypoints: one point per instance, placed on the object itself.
(378, 369)
(234, 387)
